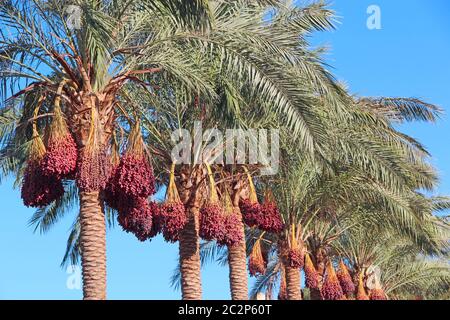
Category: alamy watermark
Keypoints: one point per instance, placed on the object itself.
(74, 17)
(74, 279)
(233, 146)
(74, 14)
(373, 277)
(374, 19)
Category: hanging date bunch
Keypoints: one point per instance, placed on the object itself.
(377, 294)
(250, 208)
(233, 233)
(94, 166)
(295, 255)
(136, 213)
(61, 157)
(361, 291)
(112, 197)
(212, 216)
(173, 213)
(311, 274)
(256, 263)
(345, 279)
(134, 175)
(38, 189)
(157, 220)
(270, 219)
(331, 289)
(138, 218)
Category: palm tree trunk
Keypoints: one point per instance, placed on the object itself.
(189, 244)
(237, 260)
(293, 283)
(191, 286)
(319, 261)
(93, 246)
(315, 294)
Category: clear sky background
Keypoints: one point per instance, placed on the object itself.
(408, 57)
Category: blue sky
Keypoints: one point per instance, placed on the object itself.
(407, 57)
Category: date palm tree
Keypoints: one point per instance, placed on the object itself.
(238, 107)
(305, 183)
(406, 270)
(89, 70)
(43, 59)
(147, 59)
(315, 198)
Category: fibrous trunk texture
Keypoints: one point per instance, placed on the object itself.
(293, 283)
(189, 243)
(237, 261)
(93, 246)
(190, 257)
